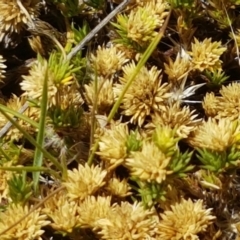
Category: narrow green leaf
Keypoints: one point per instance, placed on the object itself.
(38, 154)
(31, 169)
(19, 115)
(4, 154)
(32, 140)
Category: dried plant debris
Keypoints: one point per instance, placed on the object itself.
(119, 120)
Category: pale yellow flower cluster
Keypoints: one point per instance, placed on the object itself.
(146, 94)
(118, 188)
(216, 134)
(30, 227)
(149, 164)
(203, 56)
(107, 61)
(118, 221)
(60, 91)
(112, 145)
(93, 209)
(206, 55)
(144, 21)
(184, 221)
(182, 119)
(128, 221)
(178, 69)
(5, 176)
(63, 213)
(100, 93)
(226, 105)
(14, 15)
(84, 181)
(32, 84)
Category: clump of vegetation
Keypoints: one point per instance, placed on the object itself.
(119, 119)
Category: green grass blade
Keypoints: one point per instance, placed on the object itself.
(19, 115)
(4, 154)
(38, 154)
(32, 169)
(32, 141)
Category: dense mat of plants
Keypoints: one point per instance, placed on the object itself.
(119, 119)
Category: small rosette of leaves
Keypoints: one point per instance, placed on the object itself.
(166, 140)
(60, 69)
(151, 193)
(209, 180)
(80, 33)
(19, 189)
(180, 163)
(139, 28)
(68, 117)
(216, 161)
(216, 78)
(133, 142)
(121, 29)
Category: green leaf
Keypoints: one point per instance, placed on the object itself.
(212, 160)
(19, 115)
(38, 155)
(32, 141)
(180, 163)
(19, 189)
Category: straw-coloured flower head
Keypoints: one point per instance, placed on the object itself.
(93, 209)
(58, 73)
(112, 145)
(145, 95)
(182, 119)
(102, 94)
(206, 55)
(225, 106)
(107, 61)
(177, 69)
(118, 188)
(184, 221)
(14, 15)
(32, 83)
(84, 181)
(15, 103)
(5, 176)
(149, 164)
(63, 213)
(2, 68)
(210, 104)
(30, 227)
(215, 134)
(128, 222)
(229, 102)
(143, 21)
